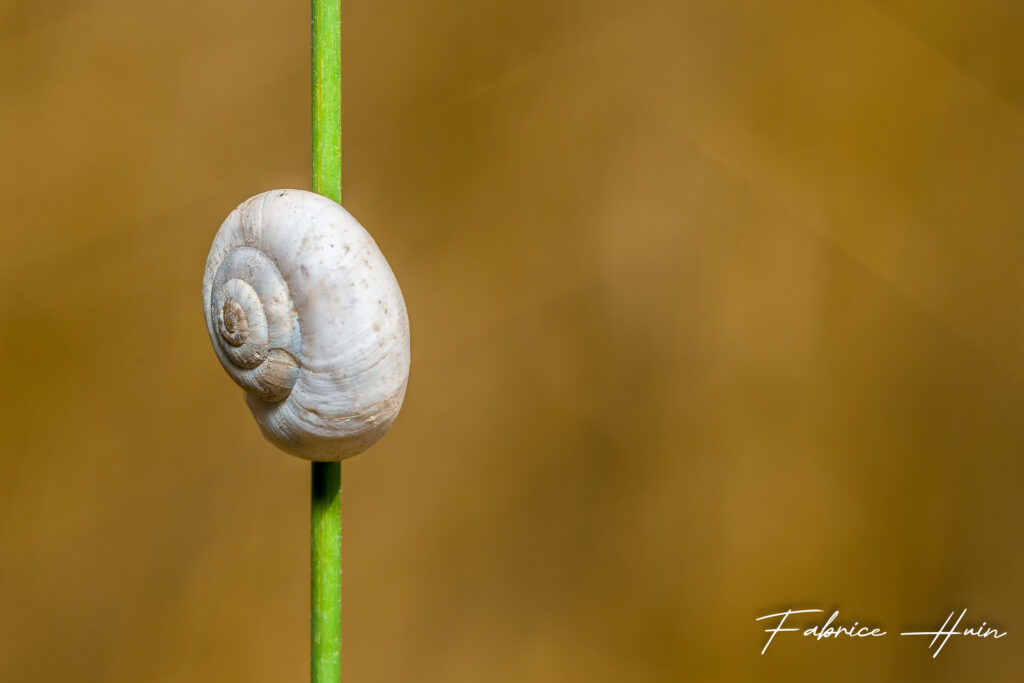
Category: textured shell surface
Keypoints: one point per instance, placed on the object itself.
(305, 314)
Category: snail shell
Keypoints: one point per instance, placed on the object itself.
(306, 316)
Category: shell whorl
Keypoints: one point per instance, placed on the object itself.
(305, 314)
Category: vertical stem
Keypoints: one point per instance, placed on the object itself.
(327, 98)
(325, 621)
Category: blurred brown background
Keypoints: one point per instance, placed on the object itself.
(717, 308)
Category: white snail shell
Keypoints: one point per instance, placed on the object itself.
(306, 316)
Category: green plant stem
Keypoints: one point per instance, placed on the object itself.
(325, 541)
(327, 98)
(325, 624)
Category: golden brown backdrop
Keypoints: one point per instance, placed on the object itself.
(717, 307)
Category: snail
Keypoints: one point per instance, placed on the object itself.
(306, 316)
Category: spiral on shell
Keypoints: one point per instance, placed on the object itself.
(306, 316)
